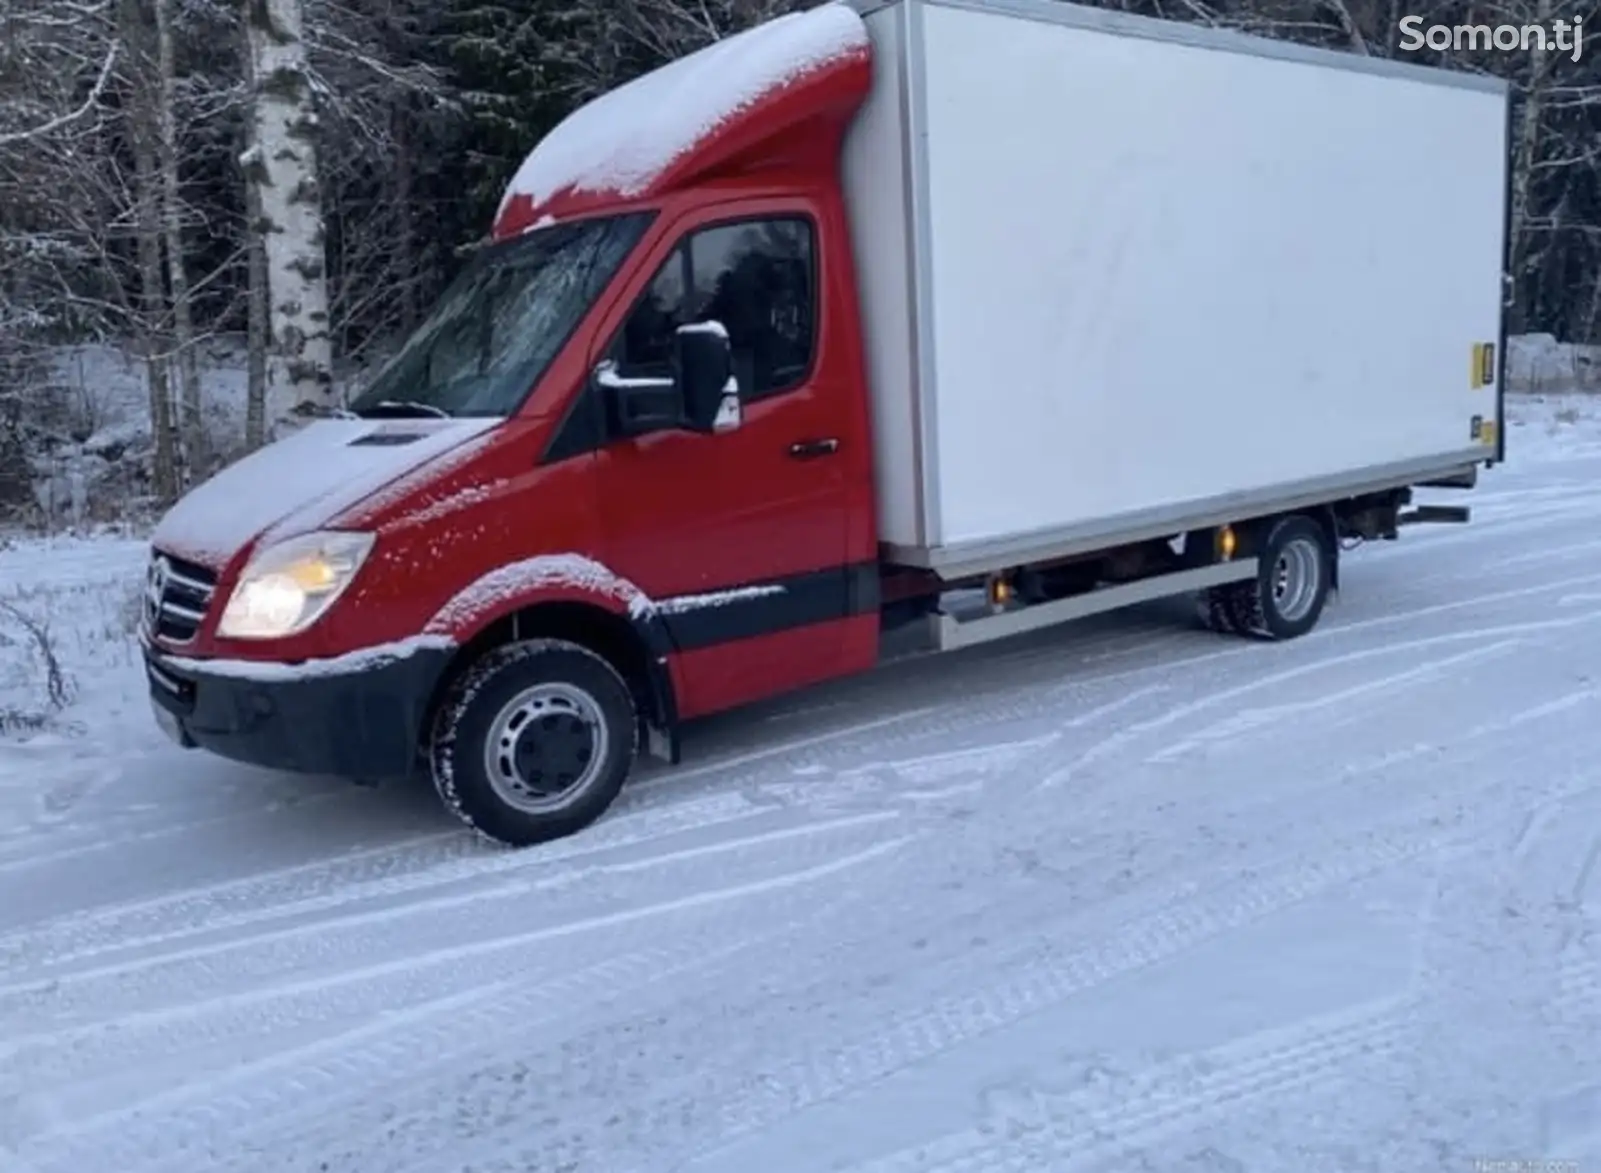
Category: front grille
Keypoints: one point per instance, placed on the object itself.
(176, 596)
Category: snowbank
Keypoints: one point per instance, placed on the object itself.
(1543, 427)
(92, 457)
(74, 602)
(1538, 363)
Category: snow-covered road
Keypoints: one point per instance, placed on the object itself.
(1124, 897)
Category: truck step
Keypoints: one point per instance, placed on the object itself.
(1435, 514)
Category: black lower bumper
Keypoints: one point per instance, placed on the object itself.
(362, 724)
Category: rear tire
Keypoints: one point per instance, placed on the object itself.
(1217, 609)
(533, 742)
(1287, 597)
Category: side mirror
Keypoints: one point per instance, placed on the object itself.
(637, 406)
(704, 362)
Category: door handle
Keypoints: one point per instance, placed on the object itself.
(812, 449)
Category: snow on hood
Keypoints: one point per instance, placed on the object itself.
(304, 481)
(624, 140)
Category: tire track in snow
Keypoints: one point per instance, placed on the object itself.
(120, 972)
(1378, 589)
(874, 778)
(1515, 631)
(355, 1053)
(1105, 1126)
(405, 868)
(1142, 941)
(429, 1055)
(1465, 751)
(1008, 702)
(1578, 1000)
(1029, 1127)
(1450, 788)
(860, 819)
(997, 669)
(30, 856)
(1080, 720)
(881, 918)
(1568, 551)
(1252, 721)
(1345, 788)
(834, 1070)
(131, 1138)
(298, 994)
(1036, 699)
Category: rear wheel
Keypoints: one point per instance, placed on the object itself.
(534, 741)
(1287, 597)
(1217, 609)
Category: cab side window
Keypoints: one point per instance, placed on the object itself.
(759, 279)
(644, 350)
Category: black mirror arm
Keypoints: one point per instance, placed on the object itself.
(639, 405)
(606, 376)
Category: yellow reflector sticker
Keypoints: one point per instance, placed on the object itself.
(1481, 371)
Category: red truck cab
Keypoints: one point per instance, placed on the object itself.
(545, 531)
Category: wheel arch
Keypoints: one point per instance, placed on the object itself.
(634, 643)
(1323, 516)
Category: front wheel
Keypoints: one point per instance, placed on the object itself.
(1287, 597)
(533, 742)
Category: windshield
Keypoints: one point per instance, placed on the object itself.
(501, 322)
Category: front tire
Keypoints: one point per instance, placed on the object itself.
(1287, 597)
(533, 742)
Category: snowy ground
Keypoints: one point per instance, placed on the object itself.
(1125, 897)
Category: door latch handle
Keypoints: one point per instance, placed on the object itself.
(812, 449)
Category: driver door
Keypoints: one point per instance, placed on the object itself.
(740, 534)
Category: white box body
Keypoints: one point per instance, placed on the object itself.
(1122, 277)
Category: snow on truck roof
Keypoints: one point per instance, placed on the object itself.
(666, 125)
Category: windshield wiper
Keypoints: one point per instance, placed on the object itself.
(320, 412)
(403, 407)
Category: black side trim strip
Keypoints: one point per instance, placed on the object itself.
(694, 622)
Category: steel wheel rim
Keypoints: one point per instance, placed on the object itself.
(1297, 575)
(545, 747)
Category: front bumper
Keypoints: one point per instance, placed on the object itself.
(365, 723)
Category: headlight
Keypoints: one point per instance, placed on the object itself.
(286, 588)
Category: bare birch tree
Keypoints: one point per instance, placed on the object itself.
(258, 326)
(192, 432)
(282, 163)
(154, 338)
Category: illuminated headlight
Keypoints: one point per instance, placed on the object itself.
(286, 588)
